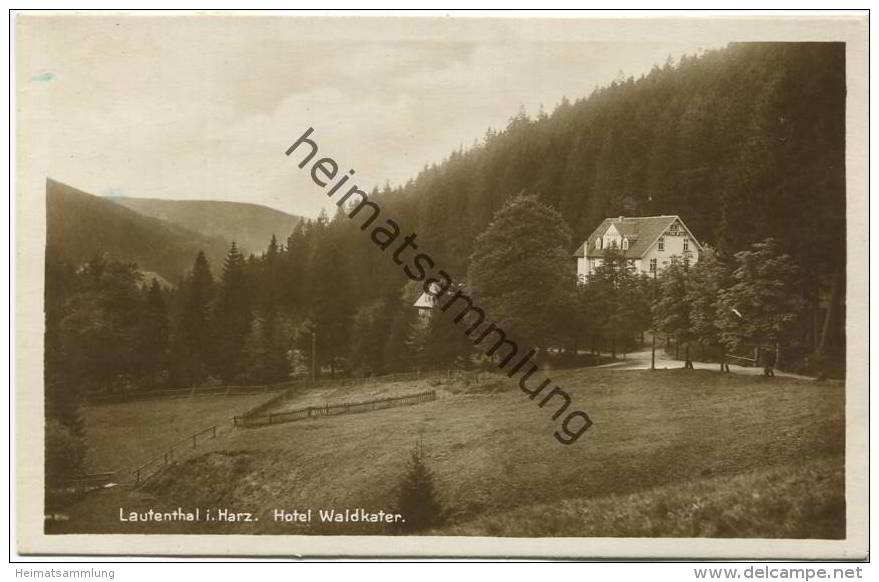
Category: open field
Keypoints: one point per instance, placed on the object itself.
(671, 453)
(123, 434)
(788, 501)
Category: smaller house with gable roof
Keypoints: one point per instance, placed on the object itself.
(649, 243)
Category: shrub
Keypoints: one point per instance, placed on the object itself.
(65, 453)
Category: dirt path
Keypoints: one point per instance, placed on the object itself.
(641, 361)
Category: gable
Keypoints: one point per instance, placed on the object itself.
(642, 233)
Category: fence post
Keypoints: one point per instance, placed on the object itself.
(193, 441)
(214, 431)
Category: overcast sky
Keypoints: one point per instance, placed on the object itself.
(204, 107)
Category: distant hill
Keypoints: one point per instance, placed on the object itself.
(80, 225)
(251, 226)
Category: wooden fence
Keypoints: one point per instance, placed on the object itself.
(741, 360)
(257, 420)
(332, 382)
(254, 416)
(142, 473)
(750, 362)
(92, 481)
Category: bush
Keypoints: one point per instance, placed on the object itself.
(418, 502)
(65, 453)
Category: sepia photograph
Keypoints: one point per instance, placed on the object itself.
(391, 285)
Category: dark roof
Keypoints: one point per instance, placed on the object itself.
(642, 232)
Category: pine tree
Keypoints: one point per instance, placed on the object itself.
(397, 353)
(269, 277)
(153, 336)
(292, 268)
(368, 327)
(99, 328)
(265, 350)
(444, 344)
(330, 294)
(192, 353)
(417, 500)
(232, 316)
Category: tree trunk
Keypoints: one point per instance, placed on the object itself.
(828, 317)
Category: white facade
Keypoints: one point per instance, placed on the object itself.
(676, 246)
(666, 240)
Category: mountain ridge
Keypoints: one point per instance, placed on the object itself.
(250, 225)
(80, 225)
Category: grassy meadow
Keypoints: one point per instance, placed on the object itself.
(671, 453)
(127, 433)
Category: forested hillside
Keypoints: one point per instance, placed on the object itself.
(249, 225)
(745, 144)
(742, 143)
(80, 226)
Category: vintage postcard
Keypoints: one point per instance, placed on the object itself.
(495, 284)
